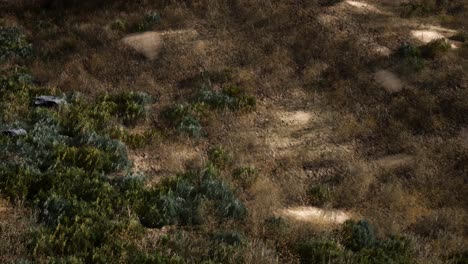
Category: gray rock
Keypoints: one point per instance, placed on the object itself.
(15, 132)
(49, 101)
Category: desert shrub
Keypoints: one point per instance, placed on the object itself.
(131, 107)
(119, 25)
(392, 250)
(150, 19)
(13, 43)
(318, 251)
(133, 140)
(229, 237)
(185, 118)
(435, 48)
(461, 36)
(178, 201)
(233, 98)
(411, 56)
(319, 195)
(329, 2)
(417, 8)
(245, 176)
(219, 157)
(358, 235)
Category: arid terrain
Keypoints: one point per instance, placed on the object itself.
(234, 131)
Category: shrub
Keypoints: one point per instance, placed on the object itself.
(461, 36)
(230, 238)
(219, 157)
(233, 98)
(13, 43)
(178, 201)
(131, 107)
(358, 235)
(319, 195)
(246, 176)
(393, 250)
(421, 8)
(184, 118)
(435, 48)
(318, 251)
(329, 2)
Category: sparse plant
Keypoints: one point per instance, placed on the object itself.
(319, 195)
(13, 43)
(319, 251)
(358, 235)
(435, 48)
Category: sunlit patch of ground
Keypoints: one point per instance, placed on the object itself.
(314, 214)
(389, 81)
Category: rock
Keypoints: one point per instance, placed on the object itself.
(49, 101)
(15, 132)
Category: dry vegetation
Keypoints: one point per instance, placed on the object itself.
(243, 108)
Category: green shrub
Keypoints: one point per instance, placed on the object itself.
(318, 251)
(13, 43)
(409, 51)
(230, 238)
(232, 98)
(131, 107)
(319, 195)
(219, 157)
(393, 250)
(119, 25)
(461, 36)
(178, 201)
(435, 48)
(185, 118)
(245, 176)
(358, 235)
(420, 9)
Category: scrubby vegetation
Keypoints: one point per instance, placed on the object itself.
(250, 107)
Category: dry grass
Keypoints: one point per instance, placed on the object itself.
(285, 54)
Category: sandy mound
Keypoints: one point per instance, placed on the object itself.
(432, 33)
(389, 81)
(395, 161)
(149, 43)
(314, 214)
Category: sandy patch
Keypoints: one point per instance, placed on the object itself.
(315, 215)
(149, 43)
(395, 161)
(389, 81)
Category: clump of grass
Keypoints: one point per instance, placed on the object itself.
(13, 43)
(435, 48)
(245, 176)
(329, 2)
(461, 36)
(179, 200)
(219, 157)
(131, 107)
(358, 235)
(319, 251)
(185, 119)
(233, 98)
(418, 9)
(319, 195)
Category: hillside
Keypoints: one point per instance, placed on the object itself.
(233, 131)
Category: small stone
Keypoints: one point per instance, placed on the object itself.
(49, 101)
(15, 132)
